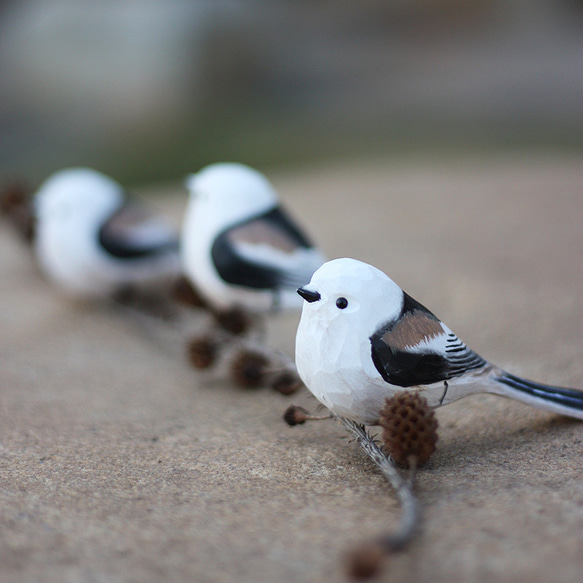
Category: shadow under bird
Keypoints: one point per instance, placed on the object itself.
(92, 239)
(239, 246)
(361, 338)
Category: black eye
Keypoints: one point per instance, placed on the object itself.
(341, 303)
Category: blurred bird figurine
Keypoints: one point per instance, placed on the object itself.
(93, 240)
(361, 338)
(239, 247)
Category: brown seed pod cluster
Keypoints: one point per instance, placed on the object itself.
(203, 351)
(234, 320)
(249, 368)
(184, 292)
(286, 382)
(251, 363)
(409, 428)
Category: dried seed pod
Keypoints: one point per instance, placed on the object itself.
(203, 351)
(234, 320)
(248, 369)
(13, 196)
(286, 383)
(296, 415)
(185, 293)
(365, 562)
(409, 428)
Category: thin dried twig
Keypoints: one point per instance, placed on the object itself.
(410, 516)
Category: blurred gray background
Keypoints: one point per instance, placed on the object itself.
(149, 90)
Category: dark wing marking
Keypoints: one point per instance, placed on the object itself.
(133, 232)
(459, 357)
(273, 229)
(401, 354)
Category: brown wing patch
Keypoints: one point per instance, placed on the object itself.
(412, 329)
(130, 216)
(135, 224)
(262, 232)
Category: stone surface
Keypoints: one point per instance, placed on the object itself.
(119, 462)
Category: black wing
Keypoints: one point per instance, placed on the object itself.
(239, 253)
(416, 349)
(133, 232)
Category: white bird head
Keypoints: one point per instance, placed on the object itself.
(230, 191)
(76, 196)
(348, 296)
(345, 303)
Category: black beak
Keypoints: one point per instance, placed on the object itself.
(309, 295)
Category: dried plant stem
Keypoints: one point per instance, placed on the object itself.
(169, 332)
(249, 343)
(164, 313)
(410, 516)
(318, 417)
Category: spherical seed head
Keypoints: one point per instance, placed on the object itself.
(286, 383)
(203, 352)
(185, 293)
(234, 320)
(409, 428)
(365, 561)
(248, 369)
(295, 415)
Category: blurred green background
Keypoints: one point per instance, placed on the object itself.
(150, 90)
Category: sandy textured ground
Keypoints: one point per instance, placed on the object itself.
(118, 462)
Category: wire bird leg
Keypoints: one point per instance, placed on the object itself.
(410, 516)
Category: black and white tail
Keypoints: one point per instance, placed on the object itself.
(560, 400)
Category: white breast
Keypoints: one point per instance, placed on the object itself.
(339, 371)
